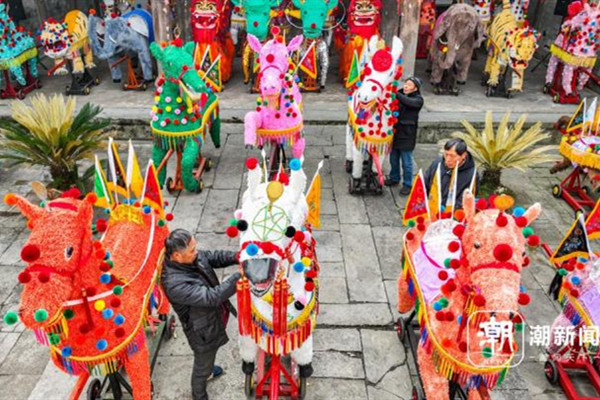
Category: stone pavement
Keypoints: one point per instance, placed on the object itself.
(357, 353)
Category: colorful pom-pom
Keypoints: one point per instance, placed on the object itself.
(99, 305)
(66, 352)
(458, 230)
(101, 344)
(242, 225)
(119, 319)
(524, 299)
(40, 315)
(252, 249)
(251, 163)
(521, 222)
(295, 164)
(30, 253)
(411, 223)
(453, 246)
(479, 300)
(443, 275)
(503, 252)
(105, 278)
(107, 313)
(231, 231)
(24, 277)
(533, 240)
(299, 267)
(290, 232)
(487, 352)
(118, 290)
(68, 313)
(309, 286)
(518, 212)
(11, 318)
(481, 204)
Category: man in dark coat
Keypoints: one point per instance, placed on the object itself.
(405, 134)
(201, 303)
(455, 152)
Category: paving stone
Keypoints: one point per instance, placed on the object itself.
(532, 373)
(510, 394)
(382, 210)
(17, 386)
(8, 280)
(329, 223)
(7, 342)
(330, 389)
(364, 314)
(329, 246)
(391, 289)
(219, 208)
(230, 167)
(329, 208)
(54, 384)
(27, 357)
(382, 351)
(334, 364)
(187, 210)
(388, 242)
(541, 311)
(12, 255)
(351, 209)
(336, 339)
(362, 266)
(395, 384)
(169, 370)
(333, 290)
(332, 269)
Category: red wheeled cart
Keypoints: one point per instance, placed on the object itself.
(572, 190)
(555, 89)
(275, 376)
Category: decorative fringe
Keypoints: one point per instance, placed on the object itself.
(287, 136)
(104, 366)
(244, 307)
(572, 59)
(20, 59)
(583, 158)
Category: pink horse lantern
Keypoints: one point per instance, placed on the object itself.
(372, 111)
(278, 116)
(452, 270)
(574, 52)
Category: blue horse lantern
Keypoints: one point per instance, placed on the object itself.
(120, 39)
(17, 53)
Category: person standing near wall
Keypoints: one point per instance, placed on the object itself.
(405, 134)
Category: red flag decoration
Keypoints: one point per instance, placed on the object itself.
(308, 64)
(416, 205)
(592, 223)
(152, 195)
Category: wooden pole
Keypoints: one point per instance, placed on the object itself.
(409, 33)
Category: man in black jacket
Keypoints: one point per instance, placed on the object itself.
(455, 152)
(201, 303)
(405, 134)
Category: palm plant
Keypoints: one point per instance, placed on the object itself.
(48, 133)
(505, 147)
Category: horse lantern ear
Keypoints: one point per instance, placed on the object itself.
(29, 210)
(533, 213)
(397, 48)
(468, 205)
(189, 47)
(254, 43)
(157, 52)
(295, 43)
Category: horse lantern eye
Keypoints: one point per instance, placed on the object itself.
(68, 252)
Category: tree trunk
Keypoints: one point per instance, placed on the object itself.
(491, 179)
(409, 33)
(390, 20)
(64, 178)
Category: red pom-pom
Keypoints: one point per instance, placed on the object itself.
(90, 198)
(72, 193)
(503, 252)
(101, 225)
(451, 285)
(270, 58)
(533, 240)
(521, 222)
(524, 299)
(232, 231)
(449, 316)
(116, 302)
(502, 220)
(119, 332)
(24, 277)
(90, 291)
(459, 215)
(30, 253)
(443, 275)
(84, 329)
(169, 217)
(177, 42)
(481, 204)
(440, 316)
(453, 246)
(410, 236)
(421, 227)
(251, 163)
(458, 230)
(455, 263)
(299, 236)
(104, 267)
(574, 293)
(479, 300)
(283, 178)
(526, 261)
(311, 273)
(580, 265)
(267, 247)
(420, 220)
(574, 8)
(462, 346)
(382, 61)
(309, 286)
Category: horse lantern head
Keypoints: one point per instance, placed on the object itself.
(364, 17)
(314, 15)
(380, 71)
(177, 63)
(55, 38)
(493, 246)
(274, 62)
(205, 15)
(258, 15)
(59, 246)
(270, 221)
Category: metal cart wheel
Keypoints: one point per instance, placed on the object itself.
(551, 372)
(249, 386)
(209, 165)
(417, 393)
(557, 191)
(170, 186)
(87, 91)
(200, 186)
(94, 390)
(401, 328)
(302, 389)
(170, 328)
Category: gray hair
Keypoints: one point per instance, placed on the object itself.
(457, 144)
(177, 240)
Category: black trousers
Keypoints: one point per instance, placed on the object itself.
(204, 362)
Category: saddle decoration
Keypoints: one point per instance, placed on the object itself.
(581, 143)
(572, 59)
(57, 334)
